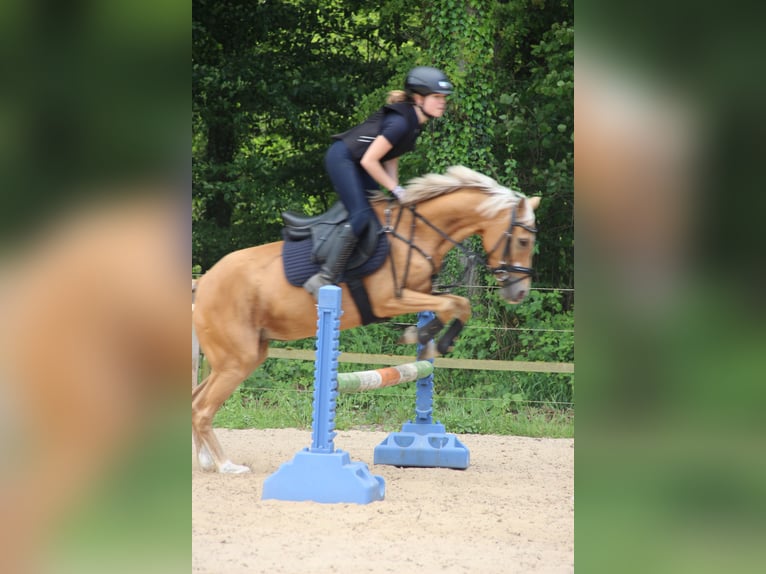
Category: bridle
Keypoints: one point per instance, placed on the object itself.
(502, 271)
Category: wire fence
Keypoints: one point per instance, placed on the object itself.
(408, 397)
(370, 358)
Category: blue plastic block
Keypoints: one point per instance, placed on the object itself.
(423, 445)
(324, 477)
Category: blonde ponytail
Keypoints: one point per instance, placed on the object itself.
(397, 97)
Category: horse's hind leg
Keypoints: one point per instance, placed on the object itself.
(227, 372)
(427, 331)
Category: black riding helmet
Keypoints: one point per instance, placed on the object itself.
(424, 80)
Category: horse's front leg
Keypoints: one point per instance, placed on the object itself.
(446, 308)
(447, 341)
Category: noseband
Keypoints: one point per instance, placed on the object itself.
(502, 271)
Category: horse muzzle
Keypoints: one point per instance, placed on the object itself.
(514, 281)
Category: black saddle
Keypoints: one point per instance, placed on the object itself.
(323, 230)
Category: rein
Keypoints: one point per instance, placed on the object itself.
(392, 230)
(501, 272)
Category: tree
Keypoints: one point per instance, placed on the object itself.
(534, 62)
(272, 81)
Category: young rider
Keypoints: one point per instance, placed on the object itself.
(367, 155)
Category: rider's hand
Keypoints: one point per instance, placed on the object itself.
(399, 192)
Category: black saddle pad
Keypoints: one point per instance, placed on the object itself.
(296, 256)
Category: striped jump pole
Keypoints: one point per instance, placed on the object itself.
(386, 377)
(422, 442)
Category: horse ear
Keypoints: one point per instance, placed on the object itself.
(534, 202)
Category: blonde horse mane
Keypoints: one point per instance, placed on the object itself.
(458, 177)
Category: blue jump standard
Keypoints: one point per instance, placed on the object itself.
(321, 473)
(422, 442)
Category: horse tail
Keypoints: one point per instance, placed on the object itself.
(195, 342)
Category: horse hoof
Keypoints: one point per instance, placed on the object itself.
(206, 463)
(229, 467)
(409, 336)
(205, 460)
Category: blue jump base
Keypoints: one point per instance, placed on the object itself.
(424, 445)
(324, 477)
(322, 473)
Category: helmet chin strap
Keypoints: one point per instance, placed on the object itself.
(425, 113)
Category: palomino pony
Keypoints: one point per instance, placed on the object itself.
(244, 300)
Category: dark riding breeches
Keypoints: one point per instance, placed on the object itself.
(350, 181)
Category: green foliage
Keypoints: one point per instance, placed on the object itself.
(272, 81)
(550, 338)
(459, 36)
(535, 134)
(278, 409)
(549, 334)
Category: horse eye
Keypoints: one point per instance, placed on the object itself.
(524, 242)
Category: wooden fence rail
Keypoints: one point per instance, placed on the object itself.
(439, 362)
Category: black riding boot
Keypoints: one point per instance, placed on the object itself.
(335, 264)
